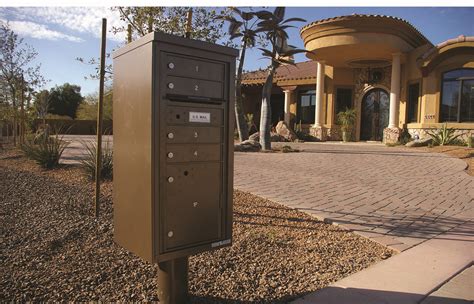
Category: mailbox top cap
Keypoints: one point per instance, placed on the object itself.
(172, 39)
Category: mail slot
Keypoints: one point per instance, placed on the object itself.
(193, 67)
(173, 146)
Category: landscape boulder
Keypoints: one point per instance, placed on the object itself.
(284, 131)
(420, 142)
(274, 137)
(248, 145)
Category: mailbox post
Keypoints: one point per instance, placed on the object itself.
(173, 152)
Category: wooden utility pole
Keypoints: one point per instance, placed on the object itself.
(100, 106)
(129, 33)
(189, 23)
(22, 112)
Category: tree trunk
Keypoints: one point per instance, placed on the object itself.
(242, 126)
(266, 111)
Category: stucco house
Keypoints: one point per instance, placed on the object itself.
(383, 67)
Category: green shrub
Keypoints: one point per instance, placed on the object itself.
(470, 141)
(45, 152)
(88, 162)
(444, 135)
(405, 137)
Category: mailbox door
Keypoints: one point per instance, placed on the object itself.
(192, 175)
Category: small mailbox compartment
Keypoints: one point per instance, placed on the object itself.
(193, 152)
(191, 211)
(192, 67)
(176, 85)
(184, 134)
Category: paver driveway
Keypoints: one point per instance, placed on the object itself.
(398, 197)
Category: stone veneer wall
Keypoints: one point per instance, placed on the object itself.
(422, 133)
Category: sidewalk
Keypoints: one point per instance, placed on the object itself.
(436, 272)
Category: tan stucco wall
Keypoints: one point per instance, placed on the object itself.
(431, 90)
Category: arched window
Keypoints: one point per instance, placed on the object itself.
(457, 96)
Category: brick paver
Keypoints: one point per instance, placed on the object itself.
(395, 196)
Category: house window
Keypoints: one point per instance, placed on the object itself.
(306, 106)
(457, 99)
(343, 99)
(413, 99)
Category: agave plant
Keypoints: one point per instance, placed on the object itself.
(45, 152)
(88, 161)
(444, 135)
(242, 25)
(274, 26)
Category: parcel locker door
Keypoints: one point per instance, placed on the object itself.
(192, 209)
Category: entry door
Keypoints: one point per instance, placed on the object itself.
(375, 115)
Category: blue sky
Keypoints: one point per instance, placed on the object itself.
(62, 34)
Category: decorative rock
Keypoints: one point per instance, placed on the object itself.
(255, 136)
(274, 137)
(248, 146)
(420, 142)
(284, 131)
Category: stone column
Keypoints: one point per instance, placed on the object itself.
(288, 100)
(319, 94)
(394, 91)
(317, 130)
(392, 132)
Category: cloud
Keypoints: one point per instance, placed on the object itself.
(39, 31)
(85, 20)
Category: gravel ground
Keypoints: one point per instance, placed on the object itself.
(52, 249)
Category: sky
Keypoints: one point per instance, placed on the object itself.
(61, 34)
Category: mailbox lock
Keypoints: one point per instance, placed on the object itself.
(196, 153)
(196, 88)
(171, 85)
(170, 234)
(170, 65)
(170, 179)
(170, 155)
(195, 204)
(195, 134)
(170, 135)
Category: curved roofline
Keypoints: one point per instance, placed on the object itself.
(441, 45)
(355, 16)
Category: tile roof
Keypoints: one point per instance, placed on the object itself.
(460, 38)
(302, 70)
(356, 16)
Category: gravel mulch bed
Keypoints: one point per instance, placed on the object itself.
(52, 249)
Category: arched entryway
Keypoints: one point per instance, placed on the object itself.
(375, 114)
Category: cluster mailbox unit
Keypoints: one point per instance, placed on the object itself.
(173, 146)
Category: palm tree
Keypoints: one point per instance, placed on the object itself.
(241, 25)
(274, 26)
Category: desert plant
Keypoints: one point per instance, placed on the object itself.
(444, 135)
(88, 161)
(405, 136)
(45, 152)
(242, 25)
(346, 119)
(470, 141)
(274, 26)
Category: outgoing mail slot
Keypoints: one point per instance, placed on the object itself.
(186, 134)
(193, 152)
(194, 68)
(194, 87)
(184, 115)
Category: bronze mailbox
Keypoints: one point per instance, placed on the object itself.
(173, 146)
